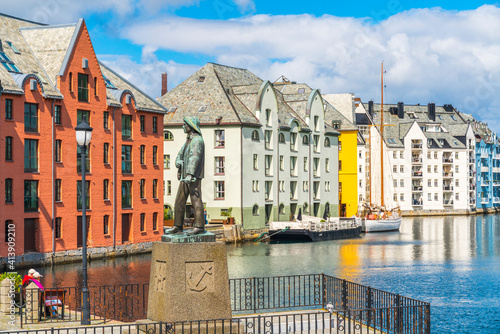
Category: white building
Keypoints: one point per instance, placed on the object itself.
(263, 159)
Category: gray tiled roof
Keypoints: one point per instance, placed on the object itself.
(215, 92)
(343, 103)
(25, 60)
(142, 101)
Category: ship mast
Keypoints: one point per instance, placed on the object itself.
(382, 137)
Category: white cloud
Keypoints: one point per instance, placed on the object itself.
(431, 55)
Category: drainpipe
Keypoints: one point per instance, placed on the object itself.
(278, 170)
(309, 172)
(114, 179)
(53, 183)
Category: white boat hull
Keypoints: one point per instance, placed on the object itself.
(381, 225)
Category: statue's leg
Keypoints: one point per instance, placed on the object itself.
(180, 204)
(195, 193)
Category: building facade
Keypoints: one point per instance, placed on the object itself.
(265, 157)
(50, 81)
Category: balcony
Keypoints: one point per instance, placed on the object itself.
(417, 189)
(472, 187)
(472, 160)
(484, 155)
(447, 160)
(496, 169)
(416, 160)
(416, 173)
(496, 199)
(416, 202)
(448, 202)
(485, 183)
(472, 174)
(472, 202)
(416, 146)
(447, 174)
(496, 156)
(485, 169)
(448, 188)
(485, 200)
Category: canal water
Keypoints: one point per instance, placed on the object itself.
(451, 262)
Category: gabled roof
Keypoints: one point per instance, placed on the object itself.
(25, 60)
(343, 103)
(208, 94)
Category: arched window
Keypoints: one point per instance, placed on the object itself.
(305, 208)
(168, 135)
(282, 209)
(255, 210)
(281, 137)
(327, 142)
(255, 135)
(305, 140)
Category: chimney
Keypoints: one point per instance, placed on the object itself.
(164, 88)
(401, 110)
(431, 111)
(370, 108)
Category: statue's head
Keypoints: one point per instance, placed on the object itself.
(193, 122)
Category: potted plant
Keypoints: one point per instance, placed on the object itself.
(168, 217)
(228, 214)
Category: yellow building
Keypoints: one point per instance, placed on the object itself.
(339, 112)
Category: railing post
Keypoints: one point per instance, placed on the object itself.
(369, 305)
(344, 294)
(397, 315)
(254, 299)
(161, 327)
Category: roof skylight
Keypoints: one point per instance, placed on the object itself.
(13, 47)
(8, 64)
(108, 83)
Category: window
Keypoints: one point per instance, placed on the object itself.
(429, 169)
(340, 165)
(306, 164)
(108, 83)
(79, 195)
(457, 183)
(293, 141)
(126, 127)
(168, 136)
(58, 150)
(402, 197)
(105, 224)
(143, 222)
(327, 142)
(255, 135)
(360, 169)
(305, 139)
(57, 190)
(255, 162)
(58, 227)
(435, 169)
(268, 190)
(8, 190)
(305, 208)
(126, 159)
(81, 115)
(401, 154)
(219, 189)
(435, 197)
(255, 210)
(31, 117)
(219, 165)
(155, 124)
(457, 196)
(142, 120)
(435, 155)
(402, 183)
(394, 154)
(456, 169)
(336, 124)
(166, 161)
(281, 138)
(169, 187)
(143, 188)
(155, 221)
(105, 157)
(142, 154)
(255, 185)
(95, 87)
(395, 183)
(57, 114)
(83, 89)
(268, 117)
(105, 123)
(340, 145)
(269, 165)
(293, 190)
(8, 108)
(79, 159)
(327, 186)
(316, 189)
(70, 83)
(155, 155)
(316, 143)
(429, 197)
(155, 188)
(402, 168)
(435, 183)
(219, 138)
(281, 209)
(395, 197)
(293, 166)
(327, 165)
(105, 189)
(395, 169)
(305, 186)
(268, 137)
(429, 183)
(30, 155)
(7, 63)
(8, 148)
(316, 166)
(282, 162)
(126, 194)
(316, 123)
(456, 155)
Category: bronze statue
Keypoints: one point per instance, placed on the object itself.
(190, 163)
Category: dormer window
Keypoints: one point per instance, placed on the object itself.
(412, 115)
(201, 79)
(108, 83)
(301, 90)
(440, 117)
(336, 124)
(453, 117)
(202, 109)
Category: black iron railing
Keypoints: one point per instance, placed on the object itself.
(351, 306)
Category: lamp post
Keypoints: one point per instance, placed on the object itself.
(83, 136)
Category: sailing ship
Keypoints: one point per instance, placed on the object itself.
(377, 218)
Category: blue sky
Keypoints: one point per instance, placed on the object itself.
(442, 52)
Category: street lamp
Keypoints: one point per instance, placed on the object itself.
(83, 135)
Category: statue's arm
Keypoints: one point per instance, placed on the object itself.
(197, 151)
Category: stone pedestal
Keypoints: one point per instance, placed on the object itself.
(188, 282)
(5, 300)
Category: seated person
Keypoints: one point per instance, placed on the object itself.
(27, 278)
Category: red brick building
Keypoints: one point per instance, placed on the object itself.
(50, 79)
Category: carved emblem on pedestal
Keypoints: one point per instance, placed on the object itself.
(199, 276)
(160, 279)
